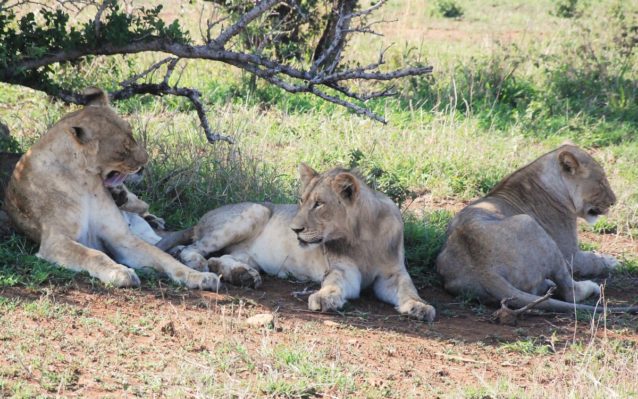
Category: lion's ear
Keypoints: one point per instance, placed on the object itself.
(96, 97)
(568, 162)
(306, 174)
(82, 135)
(346, 186)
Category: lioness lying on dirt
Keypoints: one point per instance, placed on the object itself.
(58, 197)
(343, 234)
(521, 238)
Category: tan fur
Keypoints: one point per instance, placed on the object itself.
(58, 197)
(343, 234)
(521, 238)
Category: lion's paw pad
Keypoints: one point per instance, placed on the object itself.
(155, 222)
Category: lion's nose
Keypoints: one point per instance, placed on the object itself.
(296, 229)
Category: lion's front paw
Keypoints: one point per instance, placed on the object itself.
(202, 281)
(418, 310)
(122, 277)
(155, 222)
(326, 300)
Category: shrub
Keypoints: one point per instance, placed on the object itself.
(566, 9)
(448, 9)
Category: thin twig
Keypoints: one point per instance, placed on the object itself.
(240, 25)
(508, 316)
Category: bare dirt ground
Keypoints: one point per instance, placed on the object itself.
(82, 339)
(114, 341)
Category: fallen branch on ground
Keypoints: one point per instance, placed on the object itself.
(509, 317)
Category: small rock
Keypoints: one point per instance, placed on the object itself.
(261, 320)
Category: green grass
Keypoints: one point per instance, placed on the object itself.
(512, 80)
(424, 238)
(19, 266)
(528, 346)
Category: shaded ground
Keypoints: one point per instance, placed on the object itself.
(83, 339)
(152, 341)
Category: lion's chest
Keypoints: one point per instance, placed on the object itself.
(91, 222)
(278, 253)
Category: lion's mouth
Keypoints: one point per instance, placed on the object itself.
(594, 213)
(114, 178)
(304, 243)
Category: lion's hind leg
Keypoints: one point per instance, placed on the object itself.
(236, 272)
(221, 228)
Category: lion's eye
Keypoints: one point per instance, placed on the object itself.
(317, 205)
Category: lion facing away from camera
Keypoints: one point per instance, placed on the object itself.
(521, 239)
(343, 234)
(58, 196)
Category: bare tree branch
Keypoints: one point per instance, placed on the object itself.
(148, 71)
(270, 70)
(357, 109)
(240, 25)
(161, 89)
(129, 89)
(333, 39)
(97, 22)
(326, 76)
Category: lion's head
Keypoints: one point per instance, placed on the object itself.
(104, 139)
(338, 207)
(586, 182)
(328, 202)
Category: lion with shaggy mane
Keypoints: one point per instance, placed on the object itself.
(58, 196)
(521, 239)
(343, 234)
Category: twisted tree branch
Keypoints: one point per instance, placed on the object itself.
(326, 76)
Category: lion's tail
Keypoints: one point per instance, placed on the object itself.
(500, 288)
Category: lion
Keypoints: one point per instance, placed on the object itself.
(521, 238)
(58, 196)
(343, 235)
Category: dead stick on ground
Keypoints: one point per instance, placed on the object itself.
(460, 359)
(508, 316)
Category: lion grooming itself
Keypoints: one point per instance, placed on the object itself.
(58, 196)
(343, 234)
(521, 238)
